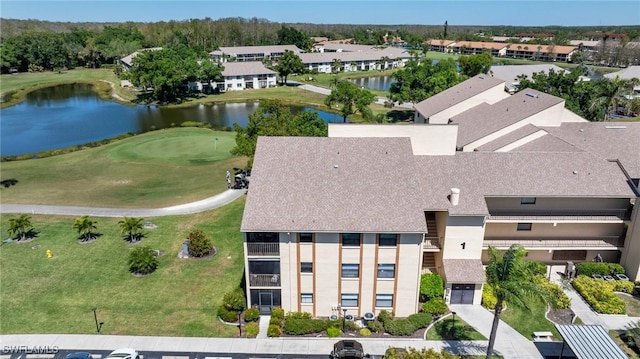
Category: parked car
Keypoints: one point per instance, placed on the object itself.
(124, 353)
(596, 276)
(621, 277)
(348, 349)
(79, 355)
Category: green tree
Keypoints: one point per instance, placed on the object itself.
(132, 227)
(508, 276)
(475, 64)
(20, 227)
(336, 66)
(273, 118)
(288, 64)
(419, 80)
(198, 243)
(612, 95)
(352, 98)
(86, 227)
(291, 36)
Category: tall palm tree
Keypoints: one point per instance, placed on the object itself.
(85, 227)
(20, 227)
(131, 226)
(336, 65)
(511, 282)
(612, 95)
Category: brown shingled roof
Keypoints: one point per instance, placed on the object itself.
(245, 68)
(484, 119)
(333, 185)
(509, 138)
(456, 94)
(463, 271)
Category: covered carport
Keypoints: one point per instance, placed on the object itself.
(588, 342)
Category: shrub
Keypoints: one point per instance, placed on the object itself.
(431, 286)
(489, 299)
(299, 326)
(624, 286)
(251, 315)
(365, 332)
(435, 306)
(198, 243)
(589, 268)
(599, 294)
(333, 332)
(421, 320)
(142, 260)
(235, 300)
(275, 321)
(399, 327)
(385, 316)
(298, 315)
(536, 268)
(252, 329)
(560, 299)
(274, 331)
(277, 312)
(227, 315)
(375, 326)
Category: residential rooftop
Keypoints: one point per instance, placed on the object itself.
(248, 50)
(245, 68)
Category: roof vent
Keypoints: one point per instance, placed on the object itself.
(575, 172)
(582, 130)
(531, 95)
(335, 166)
(615, 127)
(454, 197)
(481, 77)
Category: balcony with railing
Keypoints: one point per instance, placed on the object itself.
(264, 280)
(431, 244)
(263, 249)
(605, 242)
(577, 215)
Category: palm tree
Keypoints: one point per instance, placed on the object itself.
(20, 227)
(511, 282)
(336, 65)
(131, 226)
(85, 227)
(612, 95)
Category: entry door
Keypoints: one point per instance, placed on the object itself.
(266, 302)
(462, 293)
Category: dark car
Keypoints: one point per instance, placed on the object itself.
(348, 349)
(79, 355)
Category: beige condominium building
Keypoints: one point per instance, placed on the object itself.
(352, 220)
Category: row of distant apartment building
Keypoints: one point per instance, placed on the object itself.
(499, 49)
(372, 207)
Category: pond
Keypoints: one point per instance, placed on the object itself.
(68, 115)
(382, 83)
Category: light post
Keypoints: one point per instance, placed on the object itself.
(453, 324)
(344, 311)
(239, 323)
(95, 317)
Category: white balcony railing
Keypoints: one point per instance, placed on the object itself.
(611, 242)
(552, 214)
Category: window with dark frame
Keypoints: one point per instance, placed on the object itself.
(386, 270)
(524, 226)
(348, 300)
(306, 237)
(384, 300)
(306, 267)
(527, 200)
(350, 270)
(387, 239)
(350, 239)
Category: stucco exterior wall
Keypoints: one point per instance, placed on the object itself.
(463, 237)
(554, 230)
(631, 253)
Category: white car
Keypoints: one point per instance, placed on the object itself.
(124, 353)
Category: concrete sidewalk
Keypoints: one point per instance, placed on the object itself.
(509, 343)
(206, 204)
(303, 346)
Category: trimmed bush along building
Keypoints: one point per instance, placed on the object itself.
(351, 221)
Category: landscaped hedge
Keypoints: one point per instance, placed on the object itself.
(251, 314)
(561, 300)
(590, 268)
(294, 326)
(489, 299)
(275, 323)
(375, 326)
(229, 316)
(435, 306)
(408, 326)
(251, 330)
(624, 286)
(431, 286)
(599, 294)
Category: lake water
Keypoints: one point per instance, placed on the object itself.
(68, 115)
(382, 83)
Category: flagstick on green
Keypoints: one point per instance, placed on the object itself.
(215, 144)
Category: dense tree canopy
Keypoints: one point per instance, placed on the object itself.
(422, 79)
(291, 36)
(288, 64)
(475, 64)
(352, 98)
(273, 118)
(168, 71)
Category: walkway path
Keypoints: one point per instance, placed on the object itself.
(264, 326)
(206, 204)
(509, 343)
(584, 311)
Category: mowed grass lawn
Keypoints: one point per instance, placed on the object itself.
(526, 322)
(155, 169)
(56, 295)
